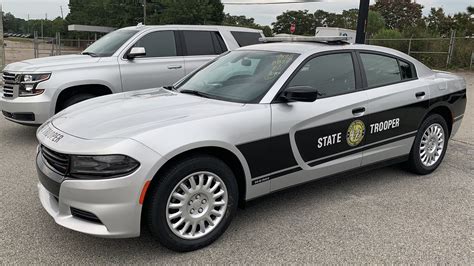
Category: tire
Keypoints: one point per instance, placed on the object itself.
(419, 161)
(162, 196)
(76, 99)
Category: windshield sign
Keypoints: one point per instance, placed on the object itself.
(239, 76)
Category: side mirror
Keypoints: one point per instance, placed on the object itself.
(300, 94)
(136, 52)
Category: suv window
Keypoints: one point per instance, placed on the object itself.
(380, 70)
(331, 74)
(246, 38)
(158, 44)
(203, 43)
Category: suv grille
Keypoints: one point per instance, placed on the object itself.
(9, 81)
(59, 161)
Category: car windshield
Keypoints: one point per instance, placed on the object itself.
(240, 76)
(107, 45)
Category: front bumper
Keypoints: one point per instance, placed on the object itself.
(112, 203)
(33, 110)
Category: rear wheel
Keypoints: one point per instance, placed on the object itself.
(193, 203)
(430, 145)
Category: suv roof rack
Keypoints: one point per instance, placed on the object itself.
(318, 39)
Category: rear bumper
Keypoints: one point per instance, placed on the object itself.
(33, 110)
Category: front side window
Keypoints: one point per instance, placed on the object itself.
(108, 44)
(380, 70)
(158, 44)
(330, 75)
(239, 76)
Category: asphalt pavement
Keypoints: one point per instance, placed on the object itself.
(382, 216)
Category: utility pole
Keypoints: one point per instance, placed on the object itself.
(62, 15)
(362, 21)
(144, 12)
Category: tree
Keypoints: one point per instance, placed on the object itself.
(375, 22)
(438, 22)
(399, 14)
(192, 12)
(305, 23)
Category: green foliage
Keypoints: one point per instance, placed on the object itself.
(388, 35)
(190, 12)
(399, 14)
(305, 22)
(243, 21)
(375, 23)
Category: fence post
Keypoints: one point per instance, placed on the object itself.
(35, 44)
(58, 43)
(451, 48)
(409, 45)
(2, 44)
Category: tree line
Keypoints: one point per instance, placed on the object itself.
(387, 18)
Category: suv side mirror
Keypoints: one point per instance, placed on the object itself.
(300, 94)
(136, 52)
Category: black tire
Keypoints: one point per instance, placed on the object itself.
(77, 98)
(157, 200)
(415, 164)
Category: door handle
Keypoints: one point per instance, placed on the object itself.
(420, 94)
(174, 67)
(358, 111)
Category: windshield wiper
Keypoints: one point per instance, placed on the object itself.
(197, 93)
(90, 53)
(170, 88)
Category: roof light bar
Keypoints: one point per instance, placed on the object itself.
(326, 39)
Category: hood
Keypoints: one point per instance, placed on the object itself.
(50, 63)
(125, 115)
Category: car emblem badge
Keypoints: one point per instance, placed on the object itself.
(355, 133)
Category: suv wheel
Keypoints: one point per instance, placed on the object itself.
(76, 99)
(430, 145)
(193, 203)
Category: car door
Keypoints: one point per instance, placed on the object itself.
(397, 104)
(161, 66)
(323, 137)
(200, 47)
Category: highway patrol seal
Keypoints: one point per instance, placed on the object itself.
(355, 133)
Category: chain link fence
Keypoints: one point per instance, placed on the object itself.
(440, 53)
(444, 53)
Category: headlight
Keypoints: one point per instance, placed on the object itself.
(101, 166)
(29, 83)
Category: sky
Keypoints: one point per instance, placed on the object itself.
(263, 14)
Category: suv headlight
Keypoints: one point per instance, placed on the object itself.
(29, 83)
(101, 166)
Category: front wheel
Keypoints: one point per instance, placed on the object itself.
(430, 145)
(193, 203)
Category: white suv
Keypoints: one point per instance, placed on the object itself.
(127, 59)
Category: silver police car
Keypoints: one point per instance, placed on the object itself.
(259, 119)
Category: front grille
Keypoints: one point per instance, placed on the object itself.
(85, 215)
(58, 161)
(9, 82)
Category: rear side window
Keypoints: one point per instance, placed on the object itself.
(331, 74)
(203, 43)
(158, 44)
(380, 70)
(406, 70)
(246, 38)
